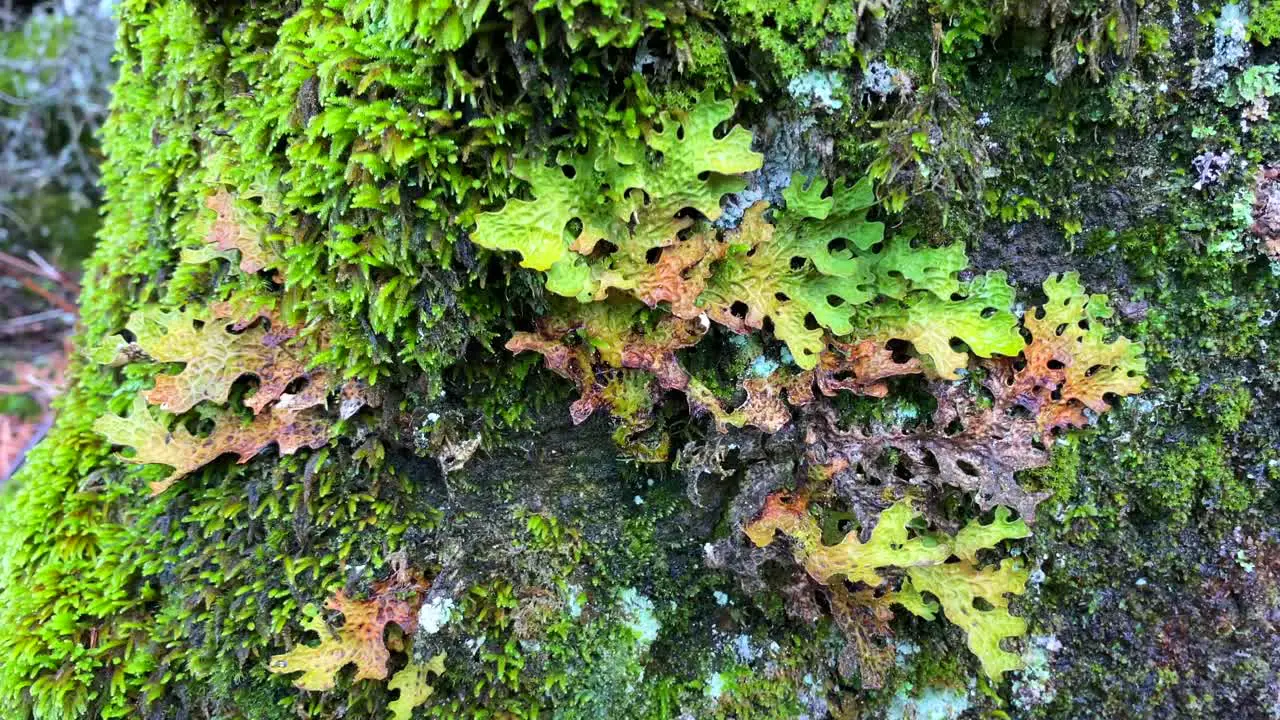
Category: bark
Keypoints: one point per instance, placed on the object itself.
(601, 569)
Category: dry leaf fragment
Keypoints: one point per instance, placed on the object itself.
(575, 363)
(679, 275)
(594, 344)
(982, 457)
(1070, 366)
(357, 394)
(314, 393)
(1266, 211)
(763, 408)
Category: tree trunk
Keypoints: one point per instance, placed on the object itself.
(668, 360)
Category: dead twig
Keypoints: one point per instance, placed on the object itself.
(33, 322)
(17, 437)
(39, 267)
(52, 298)
(42, 383)
(27, 273)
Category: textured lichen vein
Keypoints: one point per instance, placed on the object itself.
(359, 641)
(622, 193)
(923, 559)
(217, 351)
(215, 357)
(154, 443)
(413, 682)
(978, 314)
(233, 229)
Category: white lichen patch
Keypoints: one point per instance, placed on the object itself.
(1034, 685)
(883, 80)
(1230, 47)
(821, 88)
(789, 145)
(574, 600)
(637, 611)
(715, 686)
(929, 704)
(813, 695)
(745, 650)
(435, 614)
(904, 650)
(763, 366)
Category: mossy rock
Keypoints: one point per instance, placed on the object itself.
(575, 570)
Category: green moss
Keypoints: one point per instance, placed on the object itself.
(931, 669)
(1228, 405)
(194, 109)
(1062, 475)
(706, 54)
(793, 37)
(741, 692)
(1264, 22)
(1190, 479)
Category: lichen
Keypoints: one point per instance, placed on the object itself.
(928, 704)
(959, 586)
(1230, 46)
(821, 89)
(154, 443)
(615, 194)
(216, 351)
(640, 619)
(359, 641)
